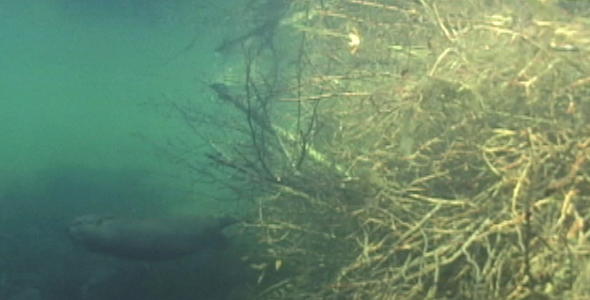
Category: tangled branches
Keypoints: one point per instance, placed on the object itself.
(418, 150)
(466, 182)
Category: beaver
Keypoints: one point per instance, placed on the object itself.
(148, 239)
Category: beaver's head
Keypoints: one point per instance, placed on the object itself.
(86, 228)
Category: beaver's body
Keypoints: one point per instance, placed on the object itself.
(147, 239)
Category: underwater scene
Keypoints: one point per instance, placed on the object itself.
(294, 150)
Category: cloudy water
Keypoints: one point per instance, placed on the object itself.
(84, 89)
(75, 77)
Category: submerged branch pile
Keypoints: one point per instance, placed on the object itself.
(422, 150)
